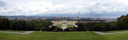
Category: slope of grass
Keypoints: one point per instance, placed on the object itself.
(115, 31)
(52, 36)
(119, 36)
(78, 35)
(59, 26)
(70, 26)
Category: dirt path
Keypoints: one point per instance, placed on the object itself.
(64, 26)
(27, 32)
(109, 33)
(75, 25)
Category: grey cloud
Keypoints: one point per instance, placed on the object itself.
(82, 7)
(2, 4)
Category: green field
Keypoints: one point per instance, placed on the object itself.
(119, 36)
(52, 36)
(80, 35)
(70, 26)
(115, 31)
(59, 26)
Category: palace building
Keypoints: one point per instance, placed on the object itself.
(64, 22)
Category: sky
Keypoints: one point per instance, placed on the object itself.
(83, 8)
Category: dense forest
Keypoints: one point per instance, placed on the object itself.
(121, 24)
(5, 24)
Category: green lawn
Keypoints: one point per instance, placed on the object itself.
(70, 26)
(119, 36)
(78, 35)
(114, 31)
(52, 36)
(59, 26)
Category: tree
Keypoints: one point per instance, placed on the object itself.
(55, 29)
(42, 25)
(30, 25)
(71, 29)
(122, 22)
(5, 23)
(113, 26)
(38, 24)
(0, 23)
(81, 27)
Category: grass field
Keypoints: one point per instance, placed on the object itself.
(52, 36)
(114, 31)
(80, 35)
(70, 26)
(119, 36)
(59, 26)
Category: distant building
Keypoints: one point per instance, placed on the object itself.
(88, 21)
(64, 24)
(64, 21)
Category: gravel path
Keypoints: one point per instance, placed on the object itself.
(64, 26)
(52, 25)
(109, 33)
(75, 25)
(27, 32)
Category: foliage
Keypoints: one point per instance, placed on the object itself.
(6, 24)
(121, 24)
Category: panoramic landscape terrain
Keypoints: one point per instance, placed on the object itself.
(63, 20)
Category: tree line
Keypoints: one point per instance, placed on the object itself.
(121, 24)
(35, 25)
(43, 25)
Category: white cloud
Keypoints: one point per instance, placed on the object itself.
(34, 7)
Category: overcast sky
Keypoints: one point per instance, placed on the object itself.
(110, 8)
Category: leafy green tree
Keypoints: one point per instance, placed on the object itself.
(5, 23)
(0, 23)
(113, 25)
(30, 25)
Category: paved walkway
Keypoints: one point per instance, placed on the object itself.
(27, 32)
(109, 33)
(64, 26)
(75, 25)
(52, 25)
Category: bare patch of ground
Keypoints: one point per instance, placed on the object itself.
(109, 33)
(27, 32)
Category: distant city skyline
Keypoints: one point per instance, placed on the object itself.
(64, 8)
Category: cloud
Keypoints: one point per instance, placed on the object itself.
(37, 7)
(2, 4)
